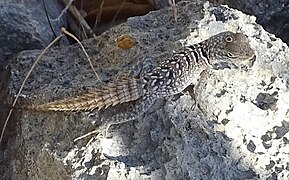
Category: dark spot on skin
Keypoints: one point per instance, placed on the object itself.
(251, 146)
(171, 73)
(196, 55)
(155, 74)
(157, 82)
(205, 54)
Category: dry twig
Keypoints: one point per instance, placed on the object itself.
(23, 83)
(32, 68)
(91, 65)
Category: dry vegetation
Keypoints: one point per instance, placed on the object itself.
(86, 19)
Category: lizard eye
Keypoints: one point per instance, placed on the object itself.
(229, 39)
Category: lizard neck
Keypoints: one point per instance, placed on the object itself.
(200, 54)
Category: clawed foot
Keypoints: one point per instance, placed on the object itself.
(106, 133)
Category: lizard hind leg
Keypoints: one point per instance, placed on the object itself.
(127, 112)
(125, 120)
(117, 115)
(132, 111)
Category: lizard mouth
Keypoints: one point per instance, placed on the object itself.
(240, 63)
(224, 65)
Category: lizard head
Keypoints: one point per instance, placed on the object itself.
(229, 49)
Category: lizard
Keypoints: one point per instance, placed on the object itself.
(170, 77)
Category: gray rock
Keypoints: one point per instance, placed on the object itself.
(262, 9)
(271, 14)
(24, 26)
(237, 129)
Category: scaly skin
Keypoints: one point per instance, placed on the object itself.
(170, 77)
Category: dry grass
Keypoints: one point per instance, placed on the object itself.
(87, 31)
(63, 31)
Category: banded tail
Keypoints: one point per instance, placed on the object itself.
(124, 90)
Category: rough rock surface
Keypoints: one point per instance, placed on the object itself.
(237, 130)
(271, 14)
(24, 25)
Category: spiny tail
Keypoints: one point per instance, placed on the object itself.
(124, 90)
